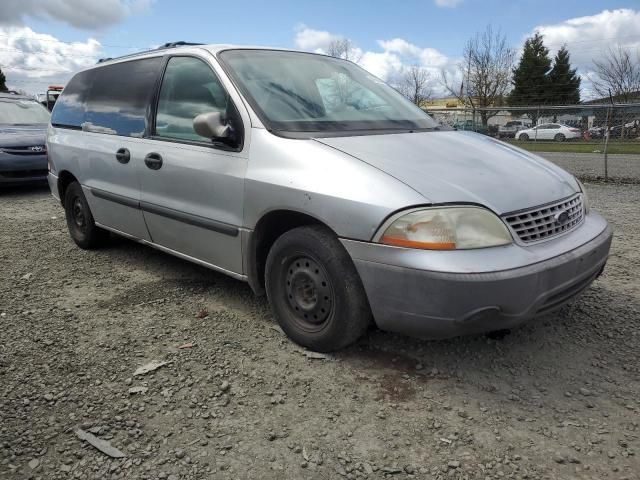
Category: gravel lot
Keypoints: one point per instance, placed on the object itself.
(559, 398)
(622, 168)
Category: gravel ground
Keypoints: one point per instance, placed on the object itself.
(556, 399)
(590, 166)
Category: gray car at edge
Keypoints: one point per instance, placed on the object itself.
(322, 187)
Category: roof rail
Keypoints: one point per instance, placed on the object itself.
(178, 44)
(161, 47)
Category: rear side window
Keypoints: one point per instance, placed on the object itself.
(70, 107)
(112, 99)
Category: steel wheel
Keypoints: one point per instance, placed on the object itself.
(82, 227)
(314, 290)
(78, 214)
(309, 293)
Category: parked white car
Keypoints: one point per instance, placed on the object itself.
(550, 131)
(511, 129)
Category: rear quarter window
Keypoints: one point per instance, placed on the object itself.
(111, 99)
(69, 110)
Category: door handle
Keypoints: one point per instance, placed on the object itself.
(123, 155)
(153, 161)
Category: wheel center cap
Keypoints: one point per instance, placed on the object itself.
(304, 291)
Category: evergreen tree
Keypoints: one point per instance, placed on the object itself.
(564, 84)
(530, 77)
(3, 85)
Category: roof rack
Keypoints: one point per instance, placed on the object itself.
(178, 44)
(161, 47)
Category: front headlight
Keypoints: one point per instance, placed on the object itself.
(445, 228)
(585, 198)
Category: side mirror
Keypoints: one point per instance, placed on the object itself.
(210, 125)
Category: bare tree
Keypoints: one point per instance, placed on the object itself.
(345, 49)
(486, 71)
(415, 84)
(619, 74)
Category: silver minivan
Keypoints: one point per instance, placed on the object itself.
(322, 187)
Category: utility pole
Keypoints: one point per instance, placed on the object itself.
(606, 139)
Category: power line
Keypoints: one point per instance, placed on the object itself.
(9, 68)
(42, 52)
(55, 40)
(44, 82)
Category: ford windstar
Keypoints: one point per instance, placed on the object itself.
(321, 186)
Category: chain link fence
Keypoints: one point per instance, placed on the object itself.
(595, 133)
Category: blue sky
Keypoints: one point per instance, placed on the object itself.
(388, 35)
(273, 23)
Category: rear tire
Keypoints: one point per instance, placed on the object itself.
(80, 223)
(559, 137)
(524, 137)
(314, 290)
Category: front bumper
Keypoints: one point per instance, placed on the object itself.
(436, 294)
(22, 169)
(52, 179)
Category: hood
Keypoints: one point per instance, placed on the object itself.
(22, 136)
(448, 167)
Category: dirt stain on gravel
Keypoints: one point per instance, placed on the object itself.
(391, 372)
(395, 388)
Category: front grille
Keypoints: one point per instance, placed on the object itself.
(542, 223)
(28, 150)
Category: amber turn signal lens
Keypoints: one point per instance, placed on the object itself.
(402, 242)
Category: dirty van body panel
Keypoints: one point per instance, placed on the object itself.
(194, 203)
(346, 194)
(111, 188)
(462, 167)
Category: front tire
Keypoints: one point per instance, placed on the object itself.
(82, 228)
(524, 137)
(314, 290)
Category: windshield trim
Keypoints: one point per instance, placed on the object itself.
(270, 126)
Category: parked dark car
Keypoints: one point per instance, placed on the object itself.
(23, 152)
(628, 130)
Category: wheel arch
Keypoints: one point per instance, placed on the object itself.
(65, 178)
(268, 229)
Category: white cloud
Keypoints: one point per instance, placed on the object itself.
(31, 60)
(447, 3)
(384, 65)
(387, 63)
(590, 37)
(427, 57)
(85, 14)
(313, 40)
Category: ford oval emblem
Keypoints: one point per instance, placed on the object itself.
(561, 218)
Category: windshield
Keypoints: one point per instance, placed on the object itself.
(22, 112)
(301, 92)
